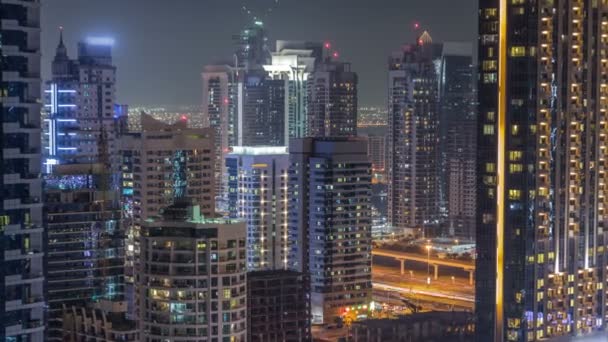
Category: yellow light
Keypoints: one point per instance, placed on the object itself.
(500, 210)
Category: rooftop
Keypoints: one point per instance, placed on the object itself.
(259, 150)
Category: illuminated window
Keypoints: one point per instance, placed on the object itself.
(490, 167)
(518, 51)
(532, 129)
(518, 2)
(515, 155)
(226, 293)
(490, 77)
(491, 116)
(491, 12)
(488, 129)
(540, 283)
(490, 65)
(514, 194)
(540, 258)
(516, 168)
(514, 129)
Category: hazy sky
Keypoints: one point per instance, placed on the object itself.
(162, 45)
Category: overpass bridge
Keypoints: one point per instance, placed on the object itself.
(468, 266)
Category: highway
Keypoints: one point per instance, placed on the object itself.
(467, 265)
(447, 291)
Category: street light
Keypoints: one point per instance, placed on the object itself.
(428, 264)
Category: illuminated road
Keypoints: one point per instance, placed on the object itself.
(449, 290)
(467, 265)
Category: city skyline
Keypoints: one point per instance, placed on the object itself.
(148, 50)
(341, 171)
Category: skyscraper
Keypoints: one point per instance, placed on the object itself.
(257, 183)
(457, 122)
(251, 44)
(413, 191)
(165, 157)
(158, 163)
(330, 223)
(192, 277)
(541, 237)
(292, 63)
(80, 105)
(262, 120)
(332, 99)
(278, 307)
(220, 112)
(21, 217)
(85, 251)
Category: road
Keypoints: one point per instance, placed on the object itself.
(445, 291)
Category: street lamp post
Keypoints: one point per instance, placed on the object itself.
(428, 264)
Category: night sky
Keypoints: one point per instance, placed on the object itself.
(162, 45)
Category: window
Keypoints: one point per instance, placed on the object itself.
(516, 168)
(515, 155)
(490, 65)
(514, 129)
(490, 167)
(514, 194)
(488, 129)
(490, 78)
(518, 51)
(491, 116)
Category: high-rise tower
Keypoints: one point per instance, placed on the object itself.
(22, 302)
(541, 235)
(192, 279)
(413, 191)
(80, 105)
(330, 223)
(332, 100)
(457, 122)
(257, 183)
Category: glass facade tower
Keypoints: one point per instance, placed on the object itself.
(541, 235)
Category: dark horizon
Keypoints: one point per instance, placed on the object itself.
(158, 64)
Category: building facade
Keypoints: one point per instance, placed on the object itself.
(80, 105)
(541, 255)
(106, 321)
(220, 103)
(164, 158)
(457, 129)
(292, 63)
(85, 248)
(257, 194)
(330, 223)
(261, 111)
(413, 169)
(332, 100)
(21, 228)
(192, 278)
(278, 306)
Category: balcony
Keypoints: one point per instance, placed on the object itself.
(29, 303)
(22, 203)
(16, 153)
(25, 25)
(25, 328)
(16, 178)
(18, 279)
(18, 254)
(14, 229)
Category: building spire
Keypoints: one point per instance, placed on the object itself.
(61, 53)
(60, 38)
